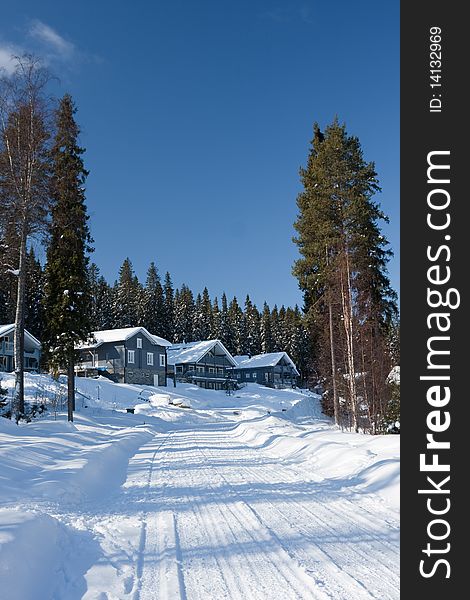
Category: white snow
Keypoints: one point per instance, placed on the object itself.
(192, 352)
(256, 495)
(120, 335)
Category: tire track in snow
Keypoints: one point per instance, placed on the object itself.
(240, 557)
(341, 557)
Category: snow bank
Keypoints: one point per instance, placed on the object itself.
(355, 463)
(40, 557)
(60, 460)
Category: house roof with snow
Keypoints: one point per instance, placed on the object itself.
(30, 340)
(121, 335)
(270, 359)
(193, 352)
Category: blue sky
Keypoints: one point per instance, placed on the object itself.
(196, 117)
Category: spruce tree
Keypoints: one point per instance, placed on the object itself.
(226, 334)
(67, 295)
(154, 304)
(184, 315)
(128, 298)
(235, 318)
(266, 330)
(168, 331)
(102, 300)
(342, 269)
(216, 321)
(34, 296)
(251, 336)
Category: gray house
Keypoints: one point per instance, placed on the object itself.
(32, 350)
(275, 369)
(208, 364)
(129, 355)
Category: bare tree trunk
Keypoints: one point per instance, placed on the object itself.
(333, 354)
(333, 365)
(19, 327)
(346, 299)
(70, 387)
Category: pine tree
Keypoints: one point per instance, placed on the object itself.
(226, 334)
(267, 343)
(67, 296)
(275, 329)
(251, 336)
(102, 300)
(206, 315)
(184, 315)
(235, 318)
(34, 296)
(342, 269)
(168, 330)
(216, 321)
(154, 302)
(128, 298)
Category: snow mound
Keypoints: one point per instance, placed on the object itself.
(55, 557)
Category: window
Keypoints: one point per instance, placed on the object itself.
(254, 375)
(150, 358)
(247, 375)
(238, 375)
(131, 356)
(200, 368)
(211, 370)
(139, 342)
(220, 370)
(179, 369)
(162, 360)
(266, 376)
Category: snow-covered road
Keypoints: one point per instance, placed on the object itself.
(219, 518)
(256, 496)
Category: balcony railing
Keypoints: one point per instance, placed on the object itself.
(203, 375)
(100, 364)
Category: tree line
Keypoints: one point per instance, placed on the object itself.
(176, 314)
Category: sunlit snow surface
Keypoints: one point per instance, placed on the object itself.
(251, 496)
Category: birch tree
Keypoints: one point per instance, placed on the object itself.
(25, 134)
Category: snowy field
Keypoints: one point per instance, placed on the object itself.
(198, 495)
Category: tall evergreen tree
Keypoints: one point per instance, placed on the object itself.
(226, 333)
(251, 329)
(102, 300)
(34, 296)
(184, 315)
(128, 298)
(216, 321)
(154, 302)
(342, 269)
(67, 297)
(168, 331)
(267, 343)
(235, 317)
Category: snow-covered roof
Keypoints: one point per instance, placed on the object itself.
(121, 335)
(193, 352)
(161, 341)
(270, 359)
(10, 328)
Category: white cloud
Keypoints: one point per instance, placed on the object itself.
(7, 64)
(49, 37)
